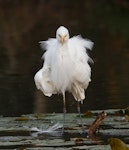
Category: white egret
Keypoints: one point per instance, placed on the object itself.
(65, 66)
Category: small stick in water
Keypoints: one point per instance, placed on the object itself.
(97, 123)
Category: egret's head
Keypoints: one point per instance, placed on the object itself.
(62, 34)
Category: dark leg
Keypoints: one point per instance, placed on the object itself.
(64, 111)
(79, 112)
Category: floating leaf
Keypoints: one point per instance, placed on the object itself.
(22, 119)
(88, 114)
(126, 118)
(78, 141)
(127, 111)
(117, 144)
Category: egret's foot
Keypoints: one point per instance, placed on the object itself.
(83, 133)
(62, 132)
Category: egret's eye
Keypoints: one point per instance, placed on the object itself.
(59, 35)
(62, 36)
(65, 35)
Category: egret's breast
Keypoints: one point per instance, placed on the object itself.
(62, 70)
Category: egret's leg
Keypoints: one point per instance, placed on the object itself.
(79, 112)
(64, 111)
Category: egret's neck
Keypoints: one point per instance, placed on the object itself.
(63, 52)
(63, 46)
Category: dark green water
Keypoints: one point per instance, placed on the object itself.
(24, 23)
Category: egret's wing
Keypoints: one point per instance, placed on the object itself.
(43, 76)
(79, 41)
(47, 45)
(43, 81)
(78, 91)
(81, 79)
(82, 71)
(50, 47)
(80, 46)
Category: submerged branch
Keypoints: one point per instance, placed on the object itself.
(96, 123)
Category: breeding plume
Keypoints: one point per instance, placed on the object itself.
(65, 66)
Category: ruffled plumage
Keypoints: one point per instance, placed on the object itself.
(65, 67)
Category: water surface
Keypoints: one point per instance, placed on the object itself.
(24, 24)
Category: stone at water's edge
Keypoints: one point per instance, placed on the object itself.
(16, 132)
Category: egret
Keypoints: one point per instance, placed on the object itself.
(66, 67)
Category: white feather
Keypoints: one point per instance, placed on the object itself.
(65, 66)
(51, 130)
